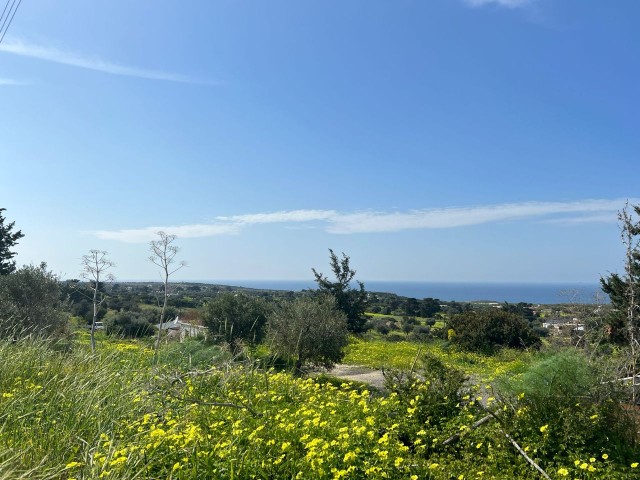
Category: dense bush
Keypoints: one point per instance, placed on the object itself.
(309, 331)
(420, 333)
(128, 325)
(564, 400)
(382, 325)
(233, 317)
(488, 330)
(30, 303)
(434, 392)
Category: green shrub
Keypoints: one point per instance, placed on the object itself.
(563, 403)
(488, 330)
(233, 317)
(30, 303)
(128, 325)
(433, 392)
(309, 330)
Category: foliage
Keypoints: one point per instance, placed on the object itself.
(432, 393)
(563, 403)
(112, 415)
(128, 325)
(30, 303)
(193, 353)
(8, 239)
(488, 330)
(233, 317)
(309, 330)
(624, 291)
(403, 354)
(351, 301)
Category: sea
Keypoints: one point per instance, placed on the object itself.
(512, 292)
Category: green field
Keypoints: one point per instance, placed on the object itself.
(69, 414)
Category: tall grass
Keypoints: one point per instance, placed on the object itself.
(68, 414)
(55, 404)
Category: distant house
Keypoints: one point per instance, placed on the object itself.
(183, 329)
(560, 326)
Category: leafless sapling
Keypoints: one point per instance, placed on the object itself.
(94, 269)
(163, 254)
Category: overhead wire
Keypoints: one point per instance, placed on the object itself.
(4, 19)
(5, 9)
(11, 19)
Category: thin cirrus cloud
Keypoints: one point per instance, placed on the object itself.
(567, 213)
(282, 217)
(142, 235)
(11, 81)
(501, 3)
(49, 54)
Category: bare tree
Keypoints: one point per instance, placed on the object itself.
(163, 254)
(94, 270)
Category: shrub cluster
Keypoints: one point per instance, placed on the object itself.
(30, 303)
(129, 325)
(488, 330)
(233, 317)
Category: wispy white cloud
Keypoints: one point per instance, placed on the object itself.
(10, 81)
(568, 213)
(610, 217)
(49, 54)
(282, 217)
(501, 3)
(147, 234)
(368, 222)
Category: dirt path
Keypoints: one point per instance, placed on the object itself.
(358, 374)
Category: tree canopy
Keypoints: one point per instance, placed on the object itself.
(309, 330)
(234, 316)
(30, 303)
(8, 239)
(348, 300)
(488, 330)
(624, 290)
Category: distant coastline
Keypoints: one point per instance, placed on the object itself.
(544, 293)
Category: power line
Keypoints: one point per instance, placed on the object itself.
(5, 9)
(8, 14)
(11, 19)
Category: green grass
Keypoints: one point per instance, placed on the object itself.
(66, 413)
(382, 354)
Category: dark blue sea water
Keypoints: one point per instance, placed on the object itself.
(548, 293)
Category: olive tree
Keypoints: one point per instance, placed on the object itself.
(309, 330)
(30, 303)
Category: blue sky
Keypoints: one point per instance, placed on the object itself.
(447, 140)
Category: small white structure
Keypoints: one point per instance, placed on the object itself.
(184, 329)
